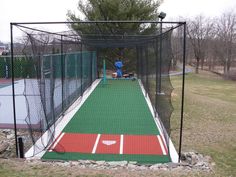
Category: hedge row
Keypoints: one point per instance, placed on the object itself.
(23, 67)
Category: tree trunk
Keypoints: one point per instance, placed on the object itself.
(174, 64)
(228, 65)
(213, 64)
(210, 64)
(197, 65)
(225, 66)
(202, 63)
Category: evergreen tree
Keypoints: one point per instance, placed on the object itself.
(114, 10)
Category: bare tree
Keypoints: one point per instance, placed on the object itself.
(226, 38)
(199, 32)
(177, 46)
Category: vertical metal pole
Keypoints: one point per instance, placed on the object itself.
(160, 59)
(91, 67)
(97, 63)
(137, 64)
(13, 88)
(62, 76)
(183, 86)
(81, 67)
(157, 77)
(142, 66)
(52, 82)
(147, 82)
(21, 147)
(104, 72)
(75, 71)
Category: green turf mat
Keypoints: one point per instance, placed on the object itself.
(118, 107)
(107, 157)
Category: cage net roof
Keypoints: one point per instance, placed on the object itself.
(99, 34)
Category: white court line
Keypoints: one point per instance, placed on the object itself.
(57, 141)
(96, 144)
(172, 151)
(162, 146)
(59, 125)
(121, 143)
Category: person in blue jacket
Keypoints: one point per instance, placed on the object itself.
(119, 65)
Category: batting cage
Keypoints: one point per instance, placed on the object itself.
(97, 90)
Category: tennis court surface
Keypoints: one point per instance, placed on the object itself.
(114, 123)
(4, 82)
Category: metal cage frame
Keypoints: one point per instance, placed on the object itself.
(21, 24)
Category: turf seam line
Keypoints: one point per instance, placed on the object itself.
(96, 144)
(171, 149)
(54, 141)
(164, 143)
(57, 141)
(161, 144)
(121, 143)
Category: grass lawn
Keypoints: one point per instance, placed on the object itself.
(209, 118)
(209, 128)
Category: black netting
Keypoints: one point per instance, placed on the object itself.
(54, 70)
(57, 68)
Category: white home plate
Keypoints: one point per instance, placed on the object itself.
(108, 142)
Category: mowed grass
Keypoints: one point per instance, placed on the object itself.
(209, 118)
(19, 168)
(209, 128)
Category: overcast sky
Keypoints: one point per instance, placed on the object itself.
(190, 8)
(55, 10)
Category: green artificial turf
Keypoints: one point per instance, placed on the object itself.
(118, 107)
(108, 157)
